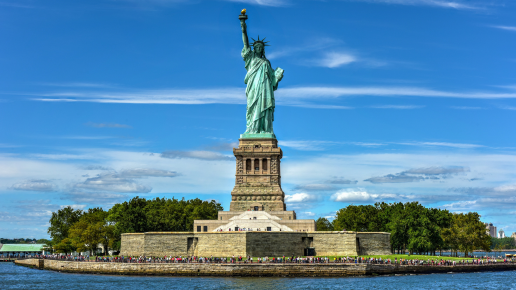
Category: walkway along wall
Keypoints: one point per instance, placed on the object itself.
(252, 270)
(255, 244)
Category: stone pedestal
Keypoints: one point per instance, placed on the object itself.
(258, 176)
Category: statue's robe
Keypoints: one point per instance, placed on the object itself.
(261, 82)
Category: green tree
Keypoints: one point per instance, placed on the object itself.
(467, 233)
(160, 214)
(92, 229)
(503, 243)
(61, 221)
(357, 218)
(65, 246)
(323, 225)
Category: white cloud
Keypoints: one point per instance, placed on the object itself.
(350, 195)
(309, 213)
(35, 185)
(300, 197)
(274, 3)
(74, 206)
(146, 172)
(306, 145)
(293, 96)
(204, 155)
(97, 198)
(336, 92)
(419, 174)
(466, 108)
(112, 182)
(318, 44)
(108, 125)
(321, 145)
(461, 205)
(505, 188)
(510, 28)
(335, 59)
(79, 85)
(459, 4)
(398, 107)
(443, 144)
(315, 187)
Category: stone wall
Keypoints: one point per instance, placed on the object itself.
(132, 244)
(275, 244)
(256, 244)
(254, 269)
(166, 244)
(334, 243)
(221, 244)
(374, 243)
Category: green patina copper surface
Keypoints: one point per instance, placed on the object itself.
(261, 81)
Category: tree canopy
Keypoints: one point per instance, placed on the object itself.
(323, 225)
(61, 221)
(73, 230)
(416, 228)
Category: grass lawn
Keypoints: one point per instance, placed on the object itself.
(407, 257)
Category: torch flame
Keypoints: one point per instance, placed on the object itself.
(243, 11)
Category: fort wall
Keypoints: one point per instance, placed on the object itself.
(255, 244)
(374, 243)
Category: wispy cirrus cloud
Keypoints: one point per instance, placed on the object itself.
(458, 4)
(274, 3)
(35, 185)
(419, 174)
(322, 97)
(318, 44)
(79, 85)
(398, 107)
(321, 145)
(442, 144)
(510, 28)
(107, 125)
(203, 155)
(16, 5)
(315, 187)
(122, 181)
(334, 60)
(466, 108)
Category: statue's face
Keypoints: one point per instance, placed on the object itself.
(258, 48)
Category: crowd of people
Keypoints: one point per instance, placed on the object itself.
(292, 259)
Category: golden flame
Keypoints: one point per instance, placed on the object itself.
(243, 11)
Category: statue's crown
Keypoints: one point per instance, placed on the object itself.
(264, 43)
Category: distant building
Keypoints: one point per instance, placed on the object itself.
(21, 250)
(501, 234)
(514, 236)
(491, 230)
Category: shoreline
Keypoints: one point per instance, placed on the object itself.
(252, 269)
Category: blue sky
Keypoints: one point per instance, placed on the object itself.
(382, 100)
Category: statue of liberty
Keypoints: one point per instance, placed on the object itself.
(261, 82)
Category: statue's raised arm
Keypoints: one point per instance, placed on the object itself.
(261, 81)
(243, 18)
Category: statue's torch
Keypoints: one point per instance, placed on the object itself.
(242, 16)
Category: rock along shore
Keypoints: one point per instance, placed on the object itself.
(250, 270)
